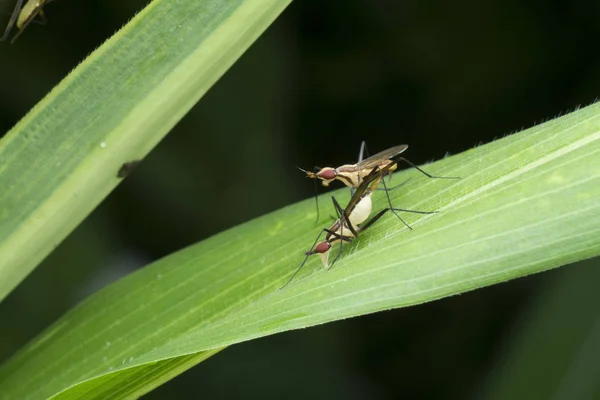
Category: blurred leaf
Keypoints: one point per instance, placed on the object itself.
(62, 159)
(554, 354)
(526, 203)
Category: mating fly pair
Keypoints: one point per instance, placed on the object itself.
(363, 178)
(348, 225)
(23, 15)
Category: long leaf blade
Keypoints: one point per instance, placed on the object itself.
(62, 159)
(526, 203)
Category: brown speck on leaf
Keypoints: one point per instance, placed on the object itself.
(126, 168)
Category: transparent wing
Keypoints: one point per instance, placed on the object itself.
(376, 159)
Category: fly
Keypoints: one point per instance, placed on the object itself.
(348, 225)
(23, 15)
(353, 174)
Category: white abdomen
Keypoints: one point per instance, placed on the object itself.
(362, 211)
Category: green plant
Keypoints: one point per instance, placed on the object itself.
(526, 203)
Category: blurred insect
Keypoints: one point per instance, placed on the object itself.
(353, 174)
(127, 168)
(23, 15)
(348, 225)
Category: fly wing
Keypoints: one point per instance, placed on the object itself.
(376, 159)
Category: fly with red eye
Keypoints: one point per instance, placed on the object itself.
(353, 174)
(348, 225)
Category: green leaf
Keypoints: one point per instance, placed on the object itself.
(525, 203)
(63, 158)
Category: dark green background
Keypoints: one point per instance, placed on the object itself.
(439, 76)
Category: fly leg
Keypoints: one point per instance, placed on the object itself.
(425, 173)
(12, 20)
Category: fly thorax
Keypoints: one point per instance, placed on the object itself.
(348, 175)
(362, 210)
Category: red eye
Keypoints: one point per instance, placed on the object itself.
(328, 174)
(322, 247)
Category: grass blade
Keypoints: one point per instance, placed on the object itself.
(526, 203)
(62, 159)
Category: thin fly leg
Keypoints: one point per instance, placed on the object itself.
(411, 211)
(342, 239)
(26, 23)
(387, 195)
(401, 209)
(12, 20)
(393, 187)
(425, 173)
(338, 209)
(343, 222)
(316, 169)
(308, 253)
(343, 217)
(317, 200)
(380, 214)
(42, 20)
(363, 151)
(373, 220)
